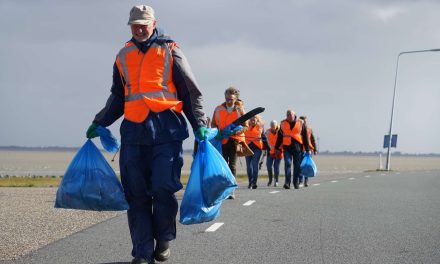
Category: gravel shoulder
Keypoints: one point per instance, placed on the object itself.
(28, 220)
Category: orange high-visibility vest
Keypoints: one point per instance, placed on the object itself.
(148, 80)
(253, 135)
(295, 132)
(222, 119)
(271, 139)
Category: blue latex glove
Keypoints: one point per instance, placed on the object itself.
(201, 132)
(91, 131)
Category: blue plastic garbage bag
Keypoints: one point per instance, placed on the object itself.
(90, 183)
(108, 141)
(227, 132)
(210, 183)
(308, 166)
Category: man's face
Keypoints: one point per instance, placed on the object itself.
(142, 32)
(290, 115)
(230, 99)
(273, 126)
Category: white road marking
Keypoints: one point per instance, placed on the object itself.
(351, 179)
(214, 227)
(316, 184)
(334, 181)
(275, 192)
(249, 202)
(367, 176)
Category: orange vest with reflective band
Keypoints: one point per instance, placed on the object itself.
(148, 80)
(295, 132)
(223, 119)
(253, 135)
(272, 140)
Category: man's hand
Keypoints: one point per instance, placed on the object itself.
(201, 132)
(91, 131)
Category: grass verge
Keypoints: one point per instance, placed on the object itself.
(54, 181)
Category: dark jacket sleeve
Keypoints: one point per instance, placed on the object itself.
(312, 139)
(279, 139)
(114, 108)
(265, 141)
(188, 90)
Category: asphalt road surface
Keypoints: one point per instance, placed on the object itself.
(361, 218)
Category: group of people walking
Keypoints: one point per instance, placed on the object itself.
(289, 140)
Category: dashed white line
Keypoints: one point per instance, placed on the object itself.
(249, 202)
(351, 179)
(367, 176)
(214, 227)
(333, 181)
(316, 184)
(274, 192)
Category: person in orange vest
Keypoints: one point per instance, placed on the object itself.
(312, 146)
(152, 85)
(291, 137)
(223, 116)
(273, 160)
(254, 135)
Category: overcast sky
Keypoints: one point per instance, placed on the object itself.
(333, 61)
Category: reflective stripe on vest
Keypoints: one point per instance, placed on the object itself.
(223, 119)
(295, 133)
(271, 139)
(148, 81)
(253, 135)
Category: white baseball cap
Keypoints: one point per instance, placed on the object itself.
(141, 15)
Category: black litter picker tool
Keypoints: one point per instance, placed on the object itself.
(248, 115)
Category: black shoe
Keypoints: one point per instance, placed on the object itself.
(140, 261)
(285, 186)
(296, 186)
(162, 251)
(269, 184)
(306, 184)
(250, 185)
(254, 186)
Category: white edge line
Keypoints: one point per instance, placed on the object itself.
(274, 192)
(249, 202)
(214, 227)
(334, 181)
(351, 179)
(316, 184)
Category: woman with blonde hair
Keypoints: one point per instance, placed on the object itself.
(254, 139)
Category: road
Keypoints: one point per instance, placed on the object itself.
(374, 217)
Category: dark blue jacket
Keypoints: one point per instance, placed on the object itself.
(159, 127)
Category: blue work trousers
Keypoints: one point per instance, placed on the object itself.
(274, 163)
(252, 166)
(150, 175)
(292, 158)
